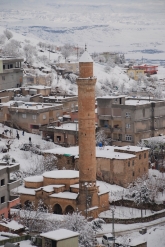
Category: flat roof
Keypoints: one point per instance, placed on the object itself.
(59, 234)
(132, 148)
(111, 96)
(61, 174)
(105, 152)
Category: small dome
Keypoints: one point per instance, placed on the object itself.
(85, 58)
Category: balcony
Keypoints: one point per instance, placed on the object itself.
(13, 184)
(116, 130)
(105, 117)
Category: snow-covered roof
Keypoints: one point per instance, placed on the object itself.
(14, 225)
(85, 58)
(138, 102)
(50, 188)
(107, 152)
(65, 195)
(132, 148)
(62, 174)
(22, 190)
(34, 179)
(111, 96)
(59, 234)
(66, 126)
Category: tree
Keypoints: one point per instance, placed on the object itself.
(102, 137)
(30, 52)
(66, 50)
(12, 48)
(2, 39)
(77, 223)
(31, 216)
(8, 34)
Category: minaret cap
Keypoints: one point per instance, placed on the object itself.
(85, 58)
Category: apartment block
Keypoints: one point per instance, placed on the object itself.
(11, 73)
(128, 120)
(6, 185)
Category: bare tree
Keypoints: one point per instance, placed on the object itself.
(12, 48)
(30, 52)
(66, 50)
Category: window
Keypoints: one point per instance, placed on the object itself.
(2, 216)
(128, 126)
(11, 66)
(2, 199)
(44, 116)
(133, 162)
(127, 114)
(3, 66)
(24, 115)
(58, 138)
(139, 156)
(34, 117)
(2, 182)
(133, 174)
(3, 77)
(68, 161)
(144, 155)
(143, 112)
(128, 138)
(128, 163)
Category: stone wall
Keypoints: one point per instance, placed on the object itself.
(135, 220)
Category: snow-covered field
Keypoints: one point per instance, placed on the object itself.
(133, 28)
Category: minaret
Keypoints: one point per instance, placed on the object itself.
(87, 146)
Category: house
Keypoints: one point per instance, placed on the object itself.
(28, 115)
(60, 238)
(148, 69)
(11, 73)
(70, 103)
(114, 165)
(65, 134)
(6, 185)
(135, 74)
(127, 120)
(37, 89)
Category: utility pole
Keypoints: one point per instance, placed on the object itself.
(86, 201)
(77, 52)
(113, 226)
(141, 205)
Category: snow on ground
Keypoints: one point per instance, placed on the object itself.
(127, 213)
(24, 158)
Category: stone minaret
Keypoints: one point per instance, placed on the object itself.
(87, 146)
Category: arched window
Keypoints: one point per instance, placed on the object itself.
(57, 209)
(28, 204)
(69, 210)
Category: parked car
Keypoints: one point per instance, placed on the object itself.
(108, 239)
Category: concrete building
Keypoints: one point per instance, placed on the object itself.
(128, 120)
(135, 74)
(29, 116)
(6, 185)
(114, 165)
(65, 134)
(60, 238)
(11, 73)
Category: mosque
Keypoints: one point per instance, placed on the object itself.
(68, 190)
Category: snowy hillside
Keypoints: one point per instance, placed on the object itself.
(135, 28)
